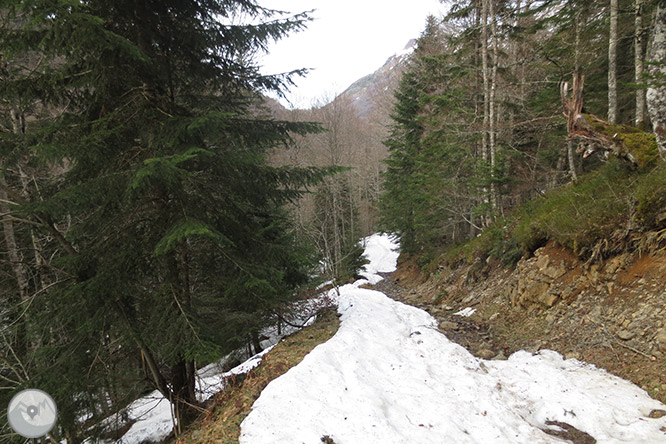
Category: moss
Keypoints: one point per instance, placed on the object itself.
(651, 198)
(578, 217)
(641, 144)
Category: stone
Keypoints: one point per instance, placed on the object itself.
(593, 274)
(533, 292)
(625, 335)
(448, 325)
(500, 357)
(485, 353)
(555, 272)
(542, 262)
(549, 299)
(660, 339)
(572, 355)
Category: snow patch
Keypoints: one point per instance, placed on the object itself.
(466, 312)
(388, 375)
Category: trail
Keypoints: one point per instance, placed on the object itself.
(389, 376)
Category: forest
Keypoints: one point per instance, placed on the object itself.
(158, 211)
(505, 101)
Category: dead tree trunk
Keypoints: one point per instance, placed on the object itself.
(590, 132)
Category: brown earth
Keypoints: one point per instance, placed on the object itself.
(611, 314)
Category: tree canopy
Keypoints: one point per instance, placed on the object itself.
(151, 229)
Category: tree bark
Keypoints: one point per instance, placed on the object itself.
(612, 64)
(18, 267)
(572, 161)
(485, 6)
(16, 262)
(494, 195)
(638, 64)
(656, 93)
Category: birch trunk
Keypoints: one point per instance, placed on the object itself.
(656, 93)
(638, 64)
(491, 108)
(486, 77)
(486, 94)
(612, 64)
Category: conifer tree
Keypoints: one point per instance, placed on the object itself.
(163, 219)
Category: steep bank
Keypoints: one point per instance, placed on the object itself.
(609, 313)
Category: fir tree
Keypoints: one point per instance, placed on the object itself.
(165, 223)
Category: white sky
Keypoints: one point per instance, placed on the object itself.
(347, 40)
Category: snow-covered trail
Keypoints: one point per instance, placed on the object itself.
(388, 376)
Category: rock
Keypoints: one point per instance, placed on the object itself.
(656, 414)
(593, 274)
(660, 339)
(542, 262)
(572, 355)
(532, 348)
(532, 293)
(625, 335)
(500, 357)
(549, 299)
(555, 272)
(448, 325)
(485, 353)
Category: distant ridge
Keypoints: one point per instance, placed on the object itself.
(376, 90)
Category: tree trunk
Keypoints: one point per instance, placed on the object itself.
(656, 93)
(486, 95)
(612, 64)
(639, 120)
(15, 260)
(494, 195)
(572, 161)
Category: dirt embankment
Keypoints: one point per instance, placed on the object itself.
(611, 314)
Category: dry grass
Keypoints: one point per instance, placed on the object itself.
(221, 424)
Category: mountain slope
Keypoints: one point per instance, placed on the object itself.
(375, 91)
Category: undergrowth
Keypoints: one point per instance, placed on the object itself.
(221, 423)
(614, 199)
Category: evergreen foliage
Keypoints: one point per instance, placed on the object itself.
(164, 226)
(477, 124)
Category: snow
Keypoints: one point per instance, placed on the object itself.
(152, 413)
(382, 252)
(389, 376)
(466, 312)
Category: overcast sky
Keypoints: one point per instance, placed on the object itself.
(347, 40)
